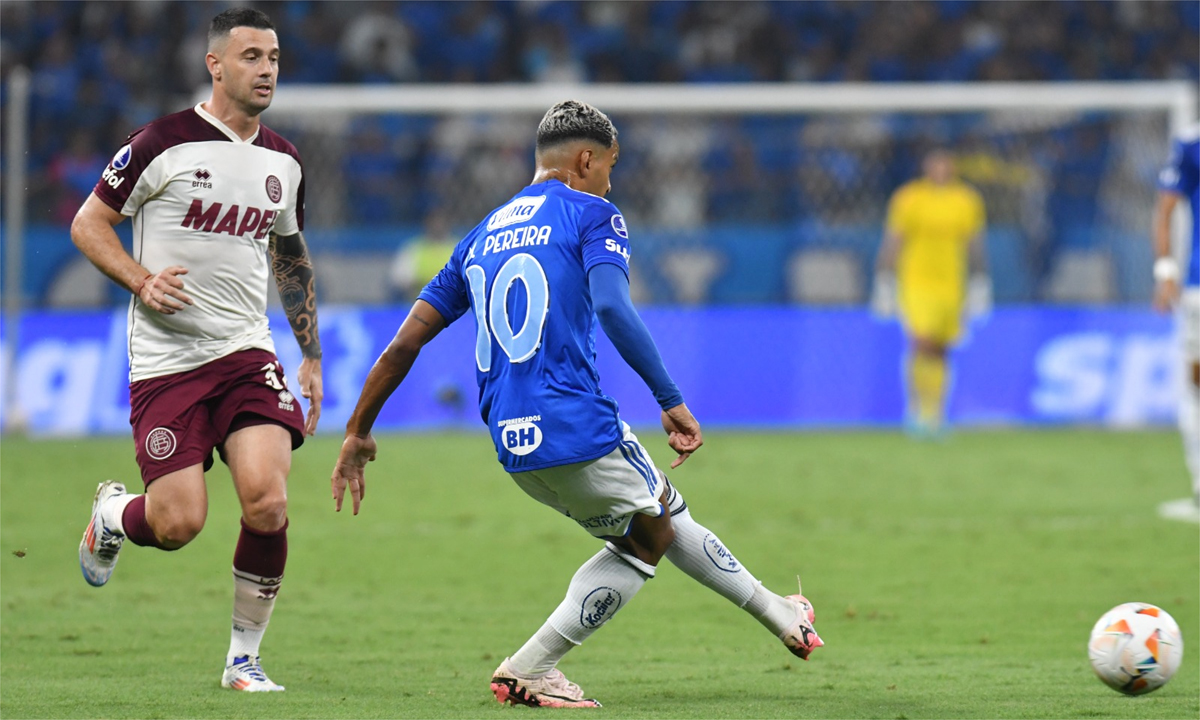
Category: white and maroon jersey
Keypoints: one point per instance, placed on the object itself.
(203, 198)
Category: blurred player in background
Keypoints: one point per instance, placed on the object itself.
(1180, 179)
(422, 257)
(537, 274)
(933, 236)
(212, 193)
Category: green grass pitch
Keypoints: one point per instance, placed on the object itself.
(951, 580)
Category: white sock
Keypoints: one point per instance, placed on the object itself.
(1189, 428)
(540, 653)
(253, 601)
(602, 586)
(112, 512)
(700, 553)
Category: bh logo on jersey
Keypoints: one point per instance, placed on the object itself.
(720, 556)
(599, 605)
(521, 438)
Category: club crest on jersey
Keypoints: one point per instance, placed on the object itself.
(618, 225)
(274, 188)
(160, 443)
(121, 159)
(517, 211)
(719, 555)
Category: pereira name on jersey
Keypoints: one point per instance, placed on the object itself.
(523, 273)
(203, 198)
(1182, 176)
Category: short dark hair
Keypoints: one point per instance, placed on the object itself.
(574, 120)
(232, 18)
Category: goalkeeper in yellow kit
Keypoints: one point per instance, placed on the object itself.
(933, 237)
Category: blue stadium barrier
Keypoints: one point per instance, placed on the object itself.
(738, 367)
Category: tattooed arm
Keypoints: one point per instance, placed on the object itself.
(294, 277)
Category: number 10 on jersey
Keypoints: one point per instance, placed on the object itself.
(491, 309)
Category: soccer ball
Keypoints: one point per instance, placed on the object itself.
(1135, 648)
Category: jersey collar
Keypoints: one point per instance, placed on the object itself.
(212, 120)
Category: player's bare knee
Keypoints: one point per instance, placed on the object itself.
(178, 528)
(267, 512)
(649, 538)
(662, 540)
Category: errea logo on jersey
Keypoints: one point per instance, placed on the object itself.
(517, 211)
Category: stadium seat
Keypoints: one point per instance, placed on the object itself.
(690, 273)
(1081, 276)
(352, 278)
(78, 285)
(825, 277)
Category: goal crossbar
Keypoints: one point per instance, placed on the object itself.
(1177, 98)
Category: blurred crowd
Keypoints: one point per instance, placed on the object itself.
(101, 69)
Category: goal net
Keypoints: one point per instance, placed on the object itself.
(756, 193)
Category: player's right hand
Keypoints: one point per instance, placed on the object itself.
(1166, 295)
(883, 295)
(163, 291)
(350, 468)
(683, 432)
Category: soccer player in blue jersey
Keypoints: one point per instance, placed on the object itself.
(537, 274)
(1180, 179)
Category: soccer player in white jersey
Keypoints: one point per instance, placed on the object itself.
(215, 196)
(538, 273)
(1180, 179)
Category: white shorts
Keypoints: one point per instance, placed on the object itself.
(601, 495)
(1189, 324)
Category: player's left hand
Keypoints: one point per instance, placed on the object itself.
(350, 469)
(683, 433)
(311, 387)
(1166, 295)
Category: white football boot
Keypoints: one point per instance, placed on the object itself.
(100, 545)
(245, 673)
(551, 690)
(800, 637)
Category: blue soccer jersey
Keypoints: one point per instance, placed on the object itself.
(1182, 176)
(523, 271)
